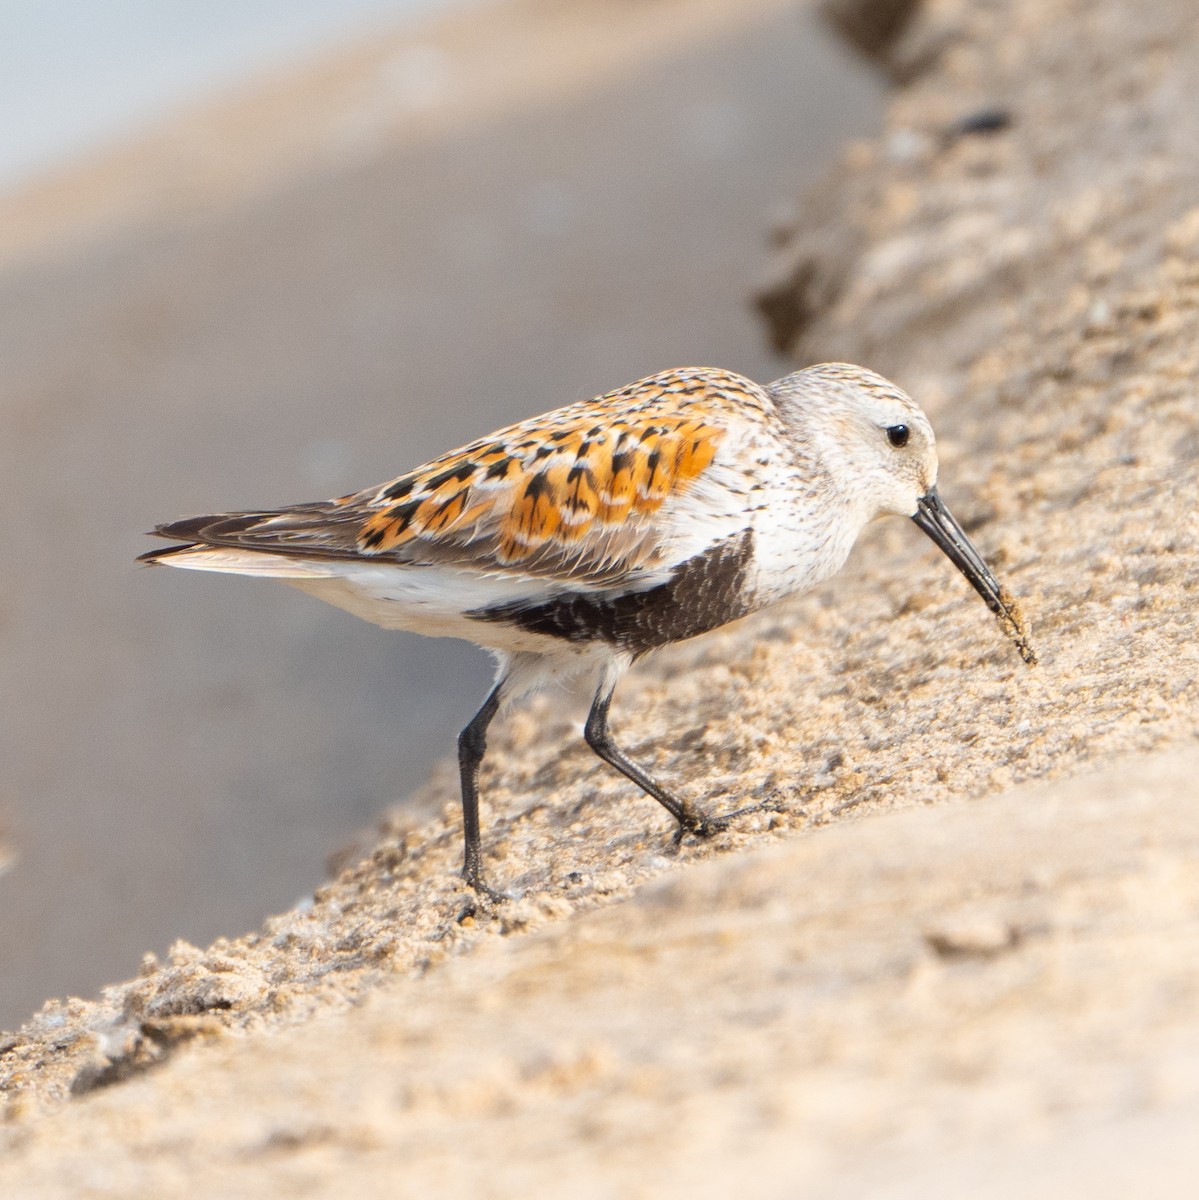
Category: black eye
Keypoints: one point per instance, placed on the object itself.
(898, 435)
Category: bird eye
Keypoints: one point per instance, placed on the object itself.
(898, 435)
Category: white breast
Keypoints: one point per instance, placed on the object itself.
(803, 533)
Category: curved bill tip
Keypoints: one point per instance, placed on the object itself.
(938, 522)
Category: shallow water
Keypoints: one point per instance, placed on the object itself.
(74, 73)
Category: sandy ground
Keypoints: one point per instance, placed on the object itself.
(961, 958)
(310, 287)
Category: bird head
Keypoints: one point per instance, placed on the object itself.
(877, 448)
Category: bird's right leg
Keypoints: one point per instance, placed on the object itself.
(599, 738)
(472, 743)
(690, 819)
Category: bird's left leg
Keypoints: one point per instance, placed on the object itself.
(472, 743)
(599, 738)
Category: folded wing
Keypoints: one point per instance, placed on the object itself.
(575, 494)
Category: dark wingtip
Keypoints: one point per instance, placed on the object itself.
(186, 529)
(192, 532)
(304, 530)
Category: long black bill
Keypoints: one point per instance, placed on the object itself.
(938, 522)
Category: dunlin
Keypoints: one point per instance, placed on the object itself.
(572, 544)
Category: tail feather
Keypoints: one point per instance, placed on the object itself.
(197, 556)
(157, 556)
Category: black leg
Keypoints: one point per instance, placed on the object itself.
(472, 742)
(599, 738)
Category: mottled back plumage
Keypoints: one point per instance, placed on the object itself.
(571, 494)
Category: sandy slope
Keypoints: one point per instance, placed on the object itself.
(986, 988)
(840, 1007)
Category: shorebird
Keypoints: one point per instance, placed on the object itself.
(571, 544)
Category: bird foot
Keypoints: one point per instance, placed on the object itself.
(485, 898)
(701, 825)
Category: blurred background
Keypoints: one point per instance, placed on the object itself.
(258, 252)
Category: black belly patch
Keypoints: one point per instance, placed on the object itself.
(703, 593)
